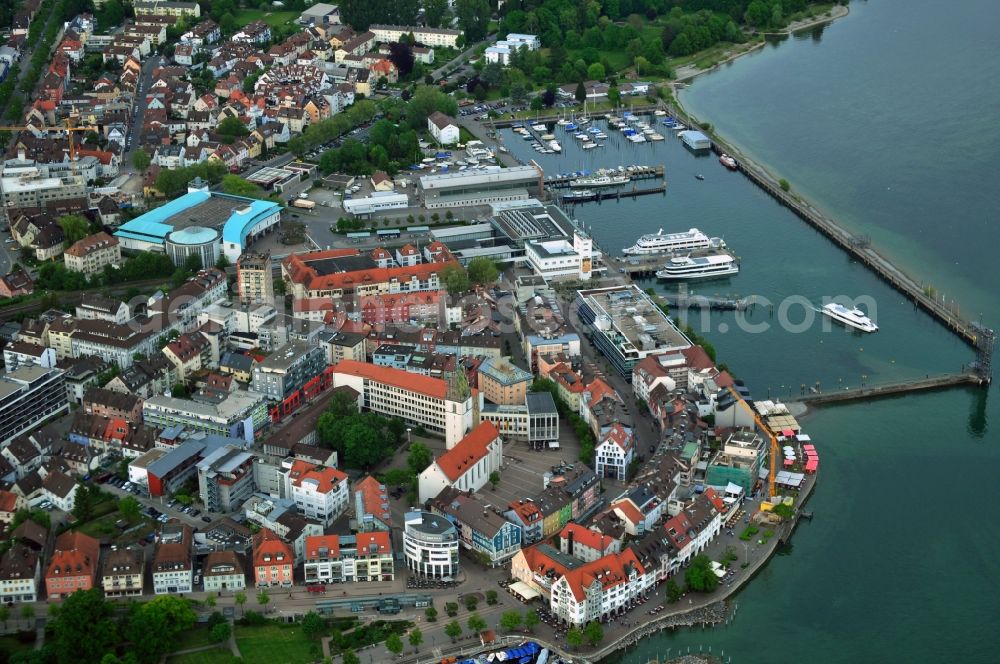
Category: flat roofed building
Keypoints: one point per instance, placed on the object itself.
(288, 369)
(628, 326)
(430, 544)
(502, 382)
(483, 186)
(255, 278)
(424, 35)
(225, 479)
(238, 414)
(28, 395)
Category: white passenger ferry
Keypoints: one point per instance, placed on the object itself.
(850, 317)
(684, 268)
(665, 243)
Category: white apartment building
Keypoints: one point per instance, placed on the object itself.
(467, 465)
(319, 492)
(614, 453)
(92, 253)
(601, 589)
(349, 558)
(223, 571)
(426, 36)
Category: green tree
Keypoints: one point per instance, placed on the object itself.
(491, 597)
(263, 598)
(84, 501)
(596, 72)
(5, 616)
(476, 623)
(614, 95)
(431, 613)
(455, 279)
(581, 92)
(700, 576)
(394, 644)
(483, 271)
(451, 608)
(141, 160)
(453, 630)
(531, 620)
(416, 638)
(28, 613)
(74, 228)
(783, 183)
(153, 627)
(574, 637)
(130, 508)
(471, 602)
(348, 657)
(435, 11)
(418, 458)
(495, 479)
(84, 627)
(594, 632)
(241, 599)
(673, 592)
(237, 186)
(220, 632)
(473, 18)
(313, 625)
(510, 620)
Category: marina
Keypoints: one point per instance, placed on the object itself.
(563, 180)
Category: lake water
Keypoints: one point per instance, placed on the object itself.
(887, 120)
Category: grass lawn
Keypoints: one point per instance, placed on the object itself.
(273, 19)
(212, 656)
(274, 644)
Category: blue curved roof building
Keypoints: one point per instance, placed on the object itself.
(240, 220)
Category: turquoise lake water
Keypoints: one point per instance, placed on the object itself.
(887, 120)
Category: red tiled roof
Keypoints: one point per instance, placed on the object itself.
(697, 358)
(267, 543)
(528, 512)
(587, 537)
(317, 542)
(379, 538)
(610, 570)
(468, 451)
(628, 510)
(426, 385)
(618, 435)
(325, 477)
(8, 501)
(75, 554)
(373, 497)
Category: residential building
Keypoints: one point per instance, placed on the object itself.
(10, 503)
(526, 514)
(123, 572)
(349, 558)
(467, 466)
(172, 568)
(600, 590)
(223, 571)
(423, 35)
(91, 254)
(655, 370)
(430, 544)
(371, 505)
(225, 478)
(73, 565)
(94, 306)
(320, 492)
(288, 369)
(189, 353)
(254, 278)
(442, 406)
(481, 529)
(20, 573)
(273, 561)
(21, 353)
(501, 382)
(740, 460)
(237, 365)
(586, 544)
(60, 489)
(342, 345)
(167, 8)
(443, 128)
(111, 404)
(347, 272)
(29, 395)
(614, 452)
(16, 283)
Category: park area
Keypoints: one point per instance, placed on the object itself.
(273, 19)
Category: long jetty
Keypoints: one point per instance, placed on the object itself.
(502, 123)
(562, 181)
(888, 389)
(616, 195)
(858, 247)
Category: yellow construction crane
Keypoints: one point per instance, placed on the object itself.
(70, 127)
(773, 455)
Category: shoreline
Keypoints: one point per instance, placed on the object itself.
(690, 72)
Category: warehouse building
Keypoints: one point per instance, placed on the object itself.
(483, 186)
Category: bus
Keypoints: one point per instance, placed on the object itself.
(388, 234)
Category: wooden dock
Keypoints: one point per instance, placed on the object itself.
(503, 123)
(859, 248)
(888, 389)
(638, 173)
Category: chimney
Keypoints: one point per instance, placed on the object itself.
(570, 549)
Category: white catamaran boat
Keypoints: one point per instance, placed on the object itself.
(850, 317)
(665, 243)
(602, 181)
(683, 268)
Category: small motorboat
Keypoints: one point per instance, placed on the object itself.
(699, 177)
